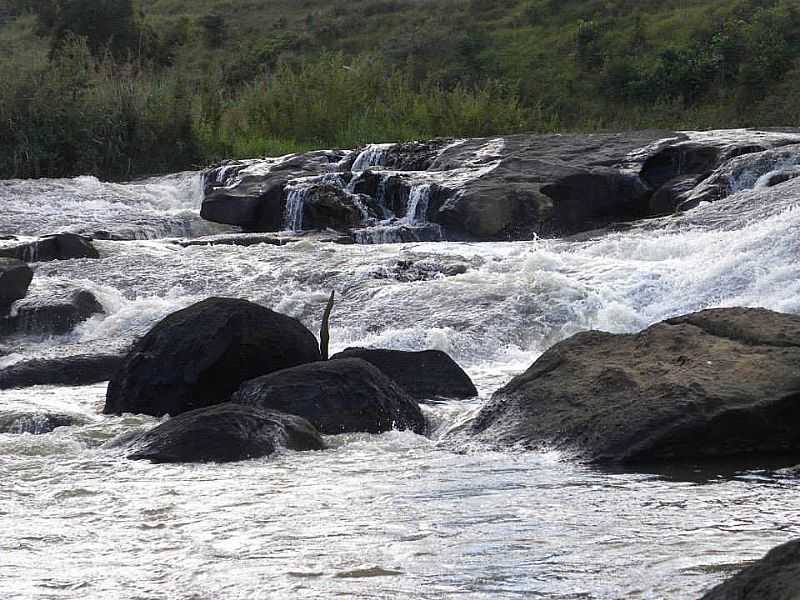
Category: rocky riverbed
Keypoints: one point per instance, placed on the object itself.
(574, 374)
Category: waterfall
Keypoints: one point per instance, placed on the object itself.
(418, 201)
(373, 155)
(295, 203)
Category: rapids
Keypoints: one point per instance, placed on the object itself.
(396, 515)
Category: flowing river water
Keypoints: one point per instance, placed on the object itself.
(394, 515)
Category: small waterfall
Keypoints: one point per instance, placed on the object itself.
(418, 201)
(373, 155)
(295, 203)
(399, 233)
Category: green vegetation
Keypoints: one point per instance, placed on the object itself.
(118, 88)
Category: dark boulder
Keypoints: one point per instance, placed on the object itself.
(199, 356)
(59, 246)
(329, 206)
(718, 383)
(774, 577)
(69, 370)
(223, 433)
(336, 396)
(51, 316)
(15, 278)
(37, 423)
(424, 375)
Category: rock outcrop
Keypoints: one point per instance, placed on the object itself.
(336, 396)
(424, 375)
(223, 433)
(510, 187)
(774, 577)
(199, 356)
(718, 383)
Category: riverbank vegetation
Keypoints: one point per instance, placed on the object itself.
(119, 88)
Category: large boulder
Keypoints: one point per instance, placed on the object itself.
(424, 375)
(15, 278)
(198, 356)
(68, 370)
(222, 433)
(544, 184)
(59, 246)
(336, 396)
(56, 315)
(717, 383)
(775, 577)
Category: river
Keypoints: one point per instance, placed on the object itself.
(394, 515)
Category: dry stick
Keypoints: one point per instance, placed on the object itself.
(325, 332)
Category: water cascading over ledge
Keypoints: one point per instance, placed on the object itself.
(504, 188)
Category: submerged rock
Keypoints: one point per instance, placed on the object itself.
(56, 316)
(336, 396)
(222, 433)
(15, 278)
(59, 246)
(68, 370)
(198, 356)
(242, 239)
(774, 577)
(37, 423)
(424, 375)
(718, 383)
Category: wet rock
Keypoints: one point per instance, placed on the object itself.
(198, 356)
(69, 370)
(774, 577)
(251, 194)
(545, 184)
(763, 168)
(222, 433)
(55, 316)
(424, 375)
(511, 187)
(60, 246)
(37, 423)
(329, 206)
(15, 278)
(409, 270)
(718, 383)
(399, 233)
(243, 239)
(336, 396)
(414, 156)
(672, 195)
